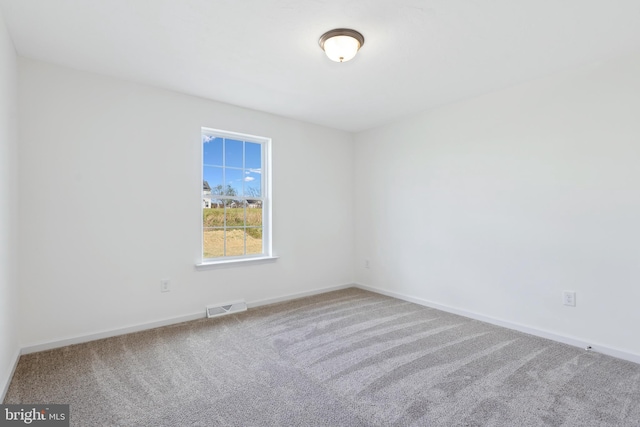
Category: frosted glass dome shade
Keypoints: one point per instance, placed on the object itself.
(341, 45)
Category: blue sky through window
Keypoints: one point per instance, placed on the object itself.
(234, 163)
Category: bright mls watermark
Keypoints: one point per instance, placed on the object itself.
(34, 415)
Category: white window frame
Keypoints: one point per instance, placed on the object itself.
(267, 251)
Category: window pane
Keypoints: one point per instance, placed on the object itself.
(214, 216)
(235, 241)
(254, 215)
(252, 184)
(254, 241)
(211, 150)
(213, 243)
(235, 214)
(213, 178)
(233, 153)
(253, 155)
(233, 182)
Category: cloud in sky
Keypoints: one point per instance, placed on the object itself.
(207, 138)
(249, 178)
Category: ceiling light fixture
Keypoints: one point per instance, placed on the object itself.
(341, 44)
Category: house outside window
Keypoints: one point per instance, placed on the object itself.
(236, 189)
(206, 195)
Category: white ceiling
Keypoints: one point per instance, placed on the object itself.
(264, 54)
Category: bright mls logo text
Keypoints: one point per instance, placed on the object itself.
(39, 415)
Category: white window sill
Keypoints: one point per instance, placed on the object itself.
(235, 262)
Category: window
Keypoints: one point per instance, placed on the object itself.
(236, 201)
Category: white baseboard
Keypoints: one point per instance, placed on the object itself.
(110, 333)
(576, 342)
(289, 297)
(5, 387)
(166, 322)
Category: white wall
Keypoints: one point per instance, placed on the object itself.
(496, 205)
(491, 206)
(8, 208)
(110, 204)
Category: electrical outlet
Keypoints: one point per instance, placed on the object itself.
(366, 264)
(569, 298)
(164, 285)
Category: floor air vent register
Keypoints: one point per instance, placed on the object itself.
(228, 308)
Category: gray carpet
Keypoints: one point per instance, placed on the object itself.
(345, 358)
